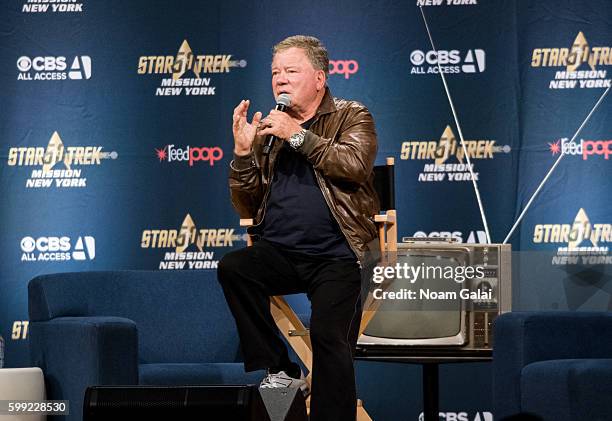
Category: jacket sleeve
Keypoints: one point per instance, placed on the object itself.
(245, 185)
(351, 156)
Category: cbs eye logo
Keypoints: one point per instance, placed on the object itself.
(417, 57)
(28, 244)
(343, 67)
(24, 64)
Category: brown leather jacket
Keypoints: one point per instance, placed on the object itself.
(341, 146)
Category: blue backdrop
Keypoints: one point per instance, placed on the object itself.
(115, 140)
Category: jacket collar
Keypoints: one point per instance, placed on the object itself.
(327, 103)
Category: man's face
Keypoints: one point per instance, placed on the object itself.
(293, 74)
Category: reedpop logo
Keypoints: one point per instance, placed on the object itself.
(192, 154)
(343, 67)
(585, 148)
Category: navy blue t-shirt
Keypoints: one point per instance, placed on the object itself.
(297, 216)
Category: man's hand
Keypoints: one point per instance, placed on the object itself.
(279, 124)
(244, 133)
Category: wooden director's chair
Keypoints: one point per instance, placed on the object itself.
(289, 324)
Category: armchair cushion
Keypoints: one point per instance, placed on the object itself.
(196, 374)
(523, 338)
(181, 315)
(563, 390)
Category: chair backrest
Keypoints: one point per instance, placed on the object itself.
(181, 316)
(384, 184)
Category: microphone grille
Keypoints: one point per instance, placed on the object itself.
(284, 99)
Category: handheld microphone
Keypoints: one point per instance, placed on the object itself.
(282, 103)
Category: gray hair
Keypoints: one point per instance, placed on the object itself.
(312, 47)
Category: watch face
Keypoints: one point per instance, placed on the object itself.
(296, 140)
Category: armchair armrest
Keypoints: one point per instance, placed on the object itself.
(385, 218)
(247, 222)
(76, 352)
(522, 338)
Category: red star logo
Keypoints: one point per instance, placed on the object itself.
(554, 147)
(161, 153)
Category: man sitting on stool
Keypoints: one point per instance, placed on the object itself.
(312, 199)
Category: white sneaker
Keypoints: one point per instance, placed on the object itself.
(283, 380)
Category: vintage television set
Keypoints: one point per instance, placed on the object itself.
(451, 314)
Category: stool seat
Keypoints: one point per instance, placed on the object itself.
(22, 384)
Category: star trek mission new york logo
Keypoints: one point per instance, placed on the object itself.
(187, 73)
(189, 247)
(441, 154)
(52, 6)
(579, 242)
(56, 165)
(582, 65)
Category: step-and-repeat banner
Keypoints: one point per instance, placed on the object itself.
(115, 140)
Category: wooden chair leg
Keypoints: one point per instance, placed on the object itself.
(362, 415)
(287, 321)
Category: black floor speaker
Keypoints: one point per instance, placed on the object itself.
(202, 403)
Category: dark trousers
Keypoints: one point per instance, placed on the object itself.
(251, 275)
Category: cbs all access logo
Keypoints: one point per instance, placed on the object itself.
(449, 61)
(462, 416)
(472, 237)
(53, 68)
(57, 249)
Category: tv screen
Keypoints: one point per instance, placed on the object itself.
(435, 315)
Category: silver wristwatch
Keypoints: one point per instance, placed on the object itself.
(296, 140)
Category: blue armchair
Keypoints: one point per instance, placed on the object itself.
(129, 328)
(553, 366)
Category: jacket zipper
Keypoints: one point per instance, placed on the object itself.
(331, 210)
(266, 194)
